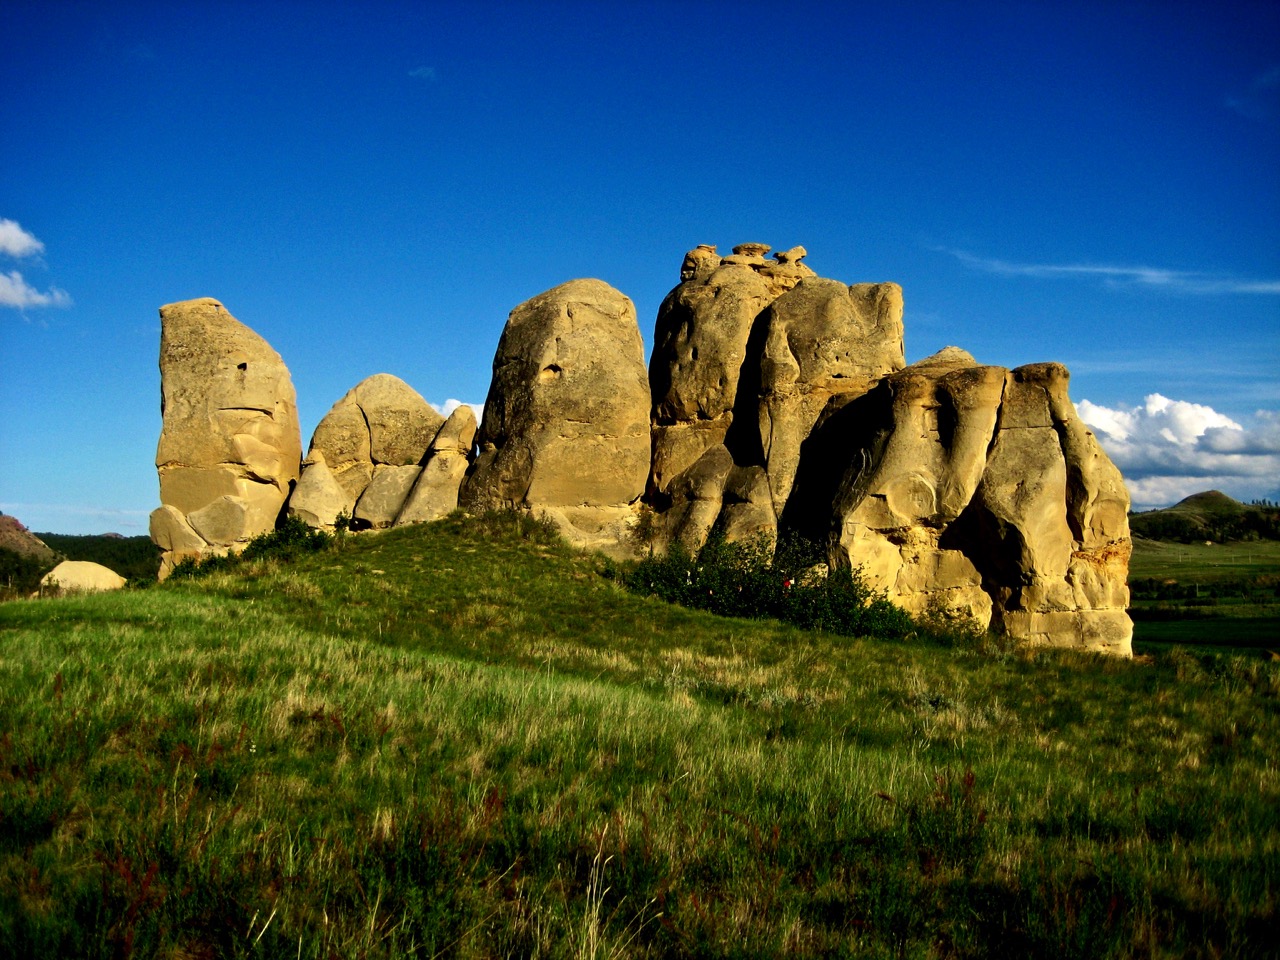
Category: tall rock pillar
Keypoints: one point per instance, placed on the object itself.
(565, 432)
(230, 448)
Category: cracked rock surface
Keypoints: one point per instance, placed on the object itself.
(229, 446)
(960, 489)
(565, 431)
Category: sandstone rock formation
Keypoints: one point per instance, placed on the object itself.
(81, 576)
(776, 402)
(957, 488)
(566, 422)
(319, 499)
(435, 491)
(365, 454)
(747, 353)
(229, 445)
(976, 492)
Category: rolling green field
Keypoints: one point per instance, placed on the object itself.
(461, 739)
(1207, 563)
(1223, 595)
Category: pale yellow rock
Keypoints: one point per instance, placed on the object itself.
(1060, 516)
(697, 494)
(976, 492)
(747, 510)
(700, 343)
(435, 493)
(382, 499)
(230, 426)
(566, 421)
(381, 420)
(222, 522)
(319, 498)
(81, 576)
(699, 363)
(170, 532)
(822, 339)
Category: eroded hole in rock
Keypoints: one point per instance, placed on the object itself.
(242, 366)
(549, 372)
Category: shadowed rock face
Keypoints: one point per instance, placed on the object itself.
(958, 488)
(566, 421)
(776, 401)
(229, 446)
(366, 454)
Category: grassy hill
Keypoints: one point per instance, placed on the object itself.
(1210, 515)
(461, 739)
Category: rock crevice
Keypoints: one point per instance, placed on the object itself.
(775, 402)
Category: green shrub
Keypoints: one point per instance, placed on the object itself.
(751, 579)
(20, 574)
(289, 541)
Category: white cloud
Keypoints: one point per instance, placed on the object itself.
(450, 405)
(1169, 449)
(16, 292)
(423, 73)
(14, 289)
(16, 242)
(1174, 281)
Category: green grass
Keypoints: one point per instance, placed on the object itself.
(463, 740)
(1204, 563)
(1208, 596)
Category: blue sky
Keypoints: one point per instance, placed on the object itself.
(374, 186)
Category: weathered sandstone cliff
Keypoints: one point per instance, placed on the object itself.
(566, 422)
(229, 444)
(776, 402)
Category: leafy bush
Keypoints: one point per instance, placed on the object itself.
(290, 540)
(19, 573)
(751, 579)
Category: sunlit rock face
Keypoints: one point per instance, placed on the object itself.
(229, 446)
(565, 432)
(747, 353)
(383, 457)
(366, 454)
(435, 491)
(959, 489)
(975, 492)
(776, 402)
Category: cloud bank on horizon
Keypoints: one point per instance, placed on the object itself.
(1169, 449)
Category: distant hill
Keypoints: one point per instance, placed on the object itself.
(1211, 515)
(24, 558)
(16, 538)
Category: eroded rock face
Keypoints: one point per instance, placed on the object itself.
(781, 402)
(319, 499)
(229, 446)
(371, 444)
(435, 491)
(747, 353)
(823, 339)
(566, 422)
(975, 492)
